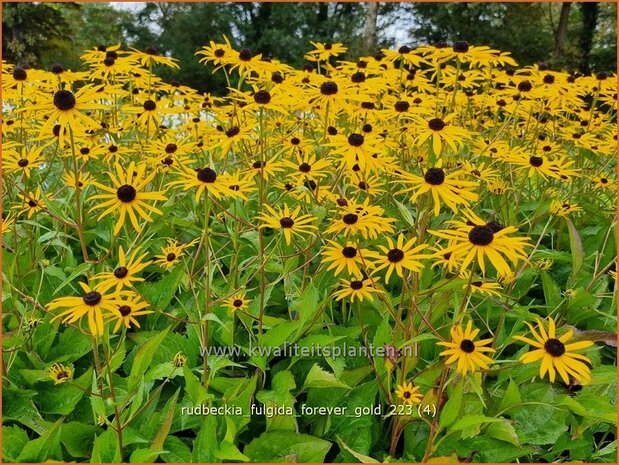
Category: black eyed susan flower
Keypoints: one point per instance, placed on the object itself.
(219, 54)
(322, 52)
(129, 306)
(441, 131)
(361, 218)
(30, 203)
(408, 394)
(24, 161)
(171, 253)
(465, 350)
(449, 189)
(290, 222)
(179, 360)
(125, 273)
(357, 289)
(94, 303)
(307, 166)
(60, 373)
(128, 195)
(68, 110)
(347, 257)
(399, 256)
(237, 302)
(563, 208)
(476, 240)
(556, 355)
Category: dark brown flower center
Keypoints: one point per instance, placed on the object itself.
(64, 100)
(286, 222)
(305, 167)
(170, 257)
(355, 139)
(525, 86)
(461, 47)
(356, 285)
(121, 272)
(554, 347)
(350, 218)
(262, 97)
(124, 310)
(245, 54)
(467, 346)
(20, 74)
(237, 303)
(149, 105)
(401, 106)
(233, 131)
(481, 235)
(126, 193)
(349, 252)
(92, 298)
(435, 176)
(436, 124)
(536, 161)
(328, 88)
(23, 162)
(395, 255)
(171, 148)
(207, 175)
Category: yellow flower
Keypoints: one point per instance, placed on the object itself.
(126, 271)
(237, 302)
(465, 350)
(60, 373)
(289, 221)
(450, 189)
(408, 394)
(398, 256)
(555, 354)
(357, 289)
(129, 306)
(93, 303)
(479, 240)
(128, 195)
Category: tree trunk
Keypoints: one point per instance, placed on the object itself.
(369, 34)
(589, 22)
(562, 30)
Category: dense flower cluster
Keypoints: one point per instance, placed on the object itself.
(394, 179)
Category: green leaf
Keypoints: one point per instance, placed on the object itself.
(143, 358)
(105, 448)
(229, 452)
(77, 271)
(159, 294)
(361, 457)
(576, 246)
(503, 431)
(177, 451)
(406, 214)
(205, 443)
(511, 396)
(451, 409)
(319, 378)
(471, 420)
(78, 438)
(167, 416)
(145, 455)
(43, 448)
(14, 439)
(283, 382)
(62, 398)
(552, 291)
(286, 446)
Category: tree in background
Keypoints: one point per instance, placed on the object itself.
(40, 34)
(565, 35)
